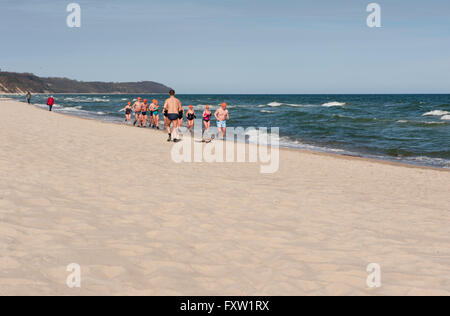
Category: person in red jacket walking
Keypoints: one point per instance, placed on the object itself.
(50, 103)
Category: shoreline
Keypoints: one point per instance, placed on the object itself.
(114, 201)
(329, 154)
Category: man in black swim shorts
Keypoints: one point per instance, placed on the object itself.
(172, 107)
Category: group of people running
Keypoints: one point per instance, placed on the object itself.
(143, 112)
(148, 113)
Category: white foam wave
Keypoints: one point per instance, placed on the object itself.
(71, 109)
(85, 100)
(100, 100)
(424, 160)
(266, 111)
(262, 138)
(436, 113)
(446, 118)
(402, 121)
(45, 106)
(330, 104)
(275, 104)
(301, 105)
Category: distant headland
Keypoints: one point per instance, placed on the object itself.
(11, 82)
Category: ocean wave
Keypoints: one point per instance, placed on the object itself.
(353, 119)
(258, 137)
(101, 100)
(86, 100)
(428, 161)
(295, 105)
(446, 118)
(45, 106)
(291, 143)
(266, 111)
(436, 113)
(330, 104)
(71, 109)
(402, 121)
(302, 105)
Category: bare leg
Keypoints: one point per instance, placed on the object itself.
(174, 131)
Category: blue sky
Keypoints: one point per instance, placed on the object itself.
(235, 46)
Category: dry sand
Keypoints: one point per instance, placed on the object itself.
(109, 198)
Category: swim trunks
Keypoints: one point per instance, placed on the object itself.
(144, 113)
(221, 124)
(180, 115)
(128, 111)
(155, 113)
(172, 116)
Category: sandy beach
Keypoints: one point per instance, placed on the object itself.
(109, 198)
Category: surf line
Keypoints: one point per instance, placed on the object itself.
(264, 150)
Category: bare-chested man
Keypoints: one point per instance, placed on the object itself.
(137, 108)
(144, 113)
(173, 107)
(222, 116)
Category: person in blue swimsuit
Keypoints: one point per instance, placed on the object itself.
(155, 113)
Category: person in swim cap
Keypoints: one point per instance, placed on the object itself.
(155, 113)
(128, 109)
(137, 110)
(206, 120)
(190, 115)
(144, 113)
(222, 115)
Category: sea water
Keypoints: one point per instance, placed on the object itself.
(406, 128)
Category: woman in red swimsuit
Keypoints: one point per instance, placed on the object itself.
(207, 119)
